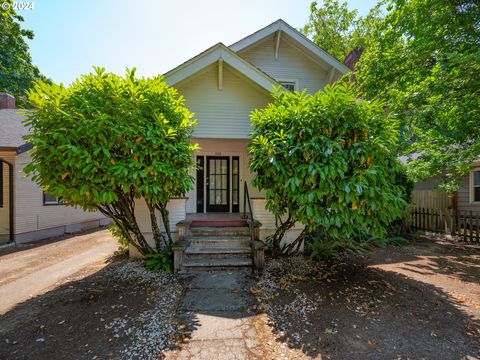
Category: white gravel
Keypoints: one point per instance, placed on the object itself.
(155, 329)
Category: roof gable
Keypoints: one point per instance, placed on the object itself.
(216, 53)
(296, 36)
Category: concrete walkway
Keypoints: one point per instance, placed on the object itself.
(215, 311)
(32, 270)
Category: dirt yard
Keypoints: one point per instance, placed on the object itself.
(122, 311)
(418, 302)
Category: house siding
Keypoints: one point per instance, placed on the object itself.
(437, 197)
(176, 213)
(222, 113)
(4, 211)
(260, 213)
(32, 216)
(463, 196)
(292, 64)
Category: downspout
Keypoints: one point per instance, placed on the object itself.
(10, 199)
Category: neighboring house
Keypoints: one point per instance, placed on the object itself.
(26, 212)
(222, 86)
(467, 198)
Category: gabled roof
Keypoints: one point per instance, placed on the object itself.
(13, 130)
(213, 55)
(298, 37)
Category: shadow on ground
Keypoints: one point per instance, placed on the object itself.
(357, 312)
(103, 315)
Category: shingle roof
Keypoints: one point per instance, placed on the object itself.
(12, 129)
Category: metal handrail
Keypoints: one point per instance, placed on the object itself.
(247, 201)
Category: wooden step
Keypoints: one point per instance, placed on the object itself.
(218, 223)
(225, 240)
(220, 231)
(224, 252)
(216, 263)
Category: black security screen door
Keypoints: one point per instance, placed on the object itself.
(218, 180)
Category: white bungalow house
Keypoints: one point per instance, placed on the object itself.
(26, 212)
(222, 86)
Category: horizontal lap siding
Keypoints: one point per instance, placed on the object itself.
(4, 211)
(222, 113)
(32, 215)
(291, 64)
(464, 196)
(176, 209)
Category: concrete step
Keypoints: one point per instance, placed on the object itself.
(221, 231)
(216, 263)
(224, 240)
(224, 252)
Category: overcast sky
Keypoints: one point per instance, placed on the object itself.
(152, 35)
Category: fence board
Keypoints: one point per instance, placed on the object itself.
(464, 224)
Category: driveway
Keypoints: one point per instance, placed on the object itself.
(32, 270)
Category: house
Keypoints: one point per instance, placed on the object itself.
(26, 212)
(467, 198)
(222, 86)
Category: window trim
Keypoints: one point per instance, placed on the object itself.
(51, 203)
(473, 186)
(293, 81)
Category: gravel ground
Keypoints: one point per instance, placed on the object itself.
(122, 311)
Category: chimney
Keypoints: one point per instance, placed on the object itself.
(7, 101)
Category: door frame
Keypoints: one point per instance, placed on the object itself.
(217, 208)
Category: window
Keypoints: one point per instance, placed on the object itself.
(48, 199)
(475, 191)
(290, 85)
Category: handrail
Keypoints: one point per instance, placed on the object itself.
(247, 201)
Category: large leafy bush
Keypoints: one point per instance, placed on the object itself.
(328, 162)
(107, 140)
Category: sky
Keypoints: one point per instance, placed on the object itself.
(152, 35)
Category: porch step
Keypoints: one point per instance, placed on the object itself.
(215, 263)
(218, 223)
(220, 240)
(223, 252)
(220, 231)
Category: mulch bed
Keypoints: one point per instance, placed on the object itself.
(122, 311)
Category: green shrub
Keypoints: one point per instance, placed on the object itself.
(162, 260)
(118, 235)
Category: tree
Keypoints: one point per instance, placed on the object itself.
(106, 141)
(328, 162)
(424, 61)
(338, 30)
(17, 73)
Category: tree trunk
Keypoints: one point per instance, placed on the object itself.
(166, 222)
(122, 212)
(294, 247)
(279, 234)
(157, 235)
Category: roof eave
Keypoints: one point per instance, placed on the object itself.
(295, 35)
(212, 55)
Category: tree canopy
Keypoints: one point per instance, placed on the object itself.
(338, 30)
(424, 61)
(107, 140)
(328, 162)
(17, 73)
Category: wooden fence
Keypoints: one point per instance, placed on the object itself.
(465, 224)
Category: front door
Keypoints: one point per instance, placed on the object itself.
(218, 183)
